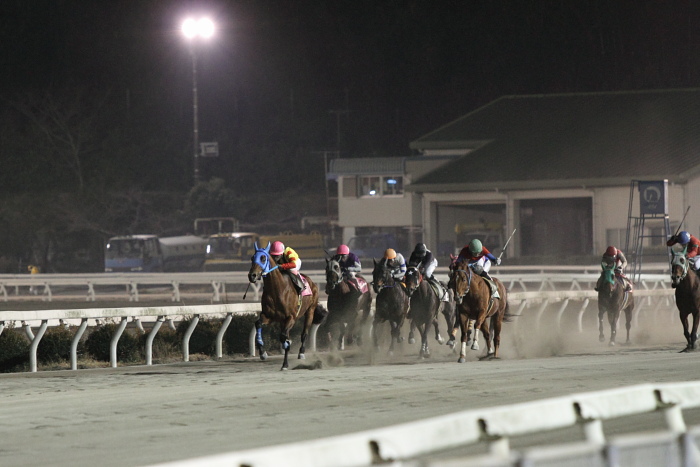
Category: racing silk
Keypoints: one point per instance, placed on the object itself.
(693, 246)
(290, 260)
(466, 254)
(397, 266)
(350, 264)
(425, 264)
(619, 261)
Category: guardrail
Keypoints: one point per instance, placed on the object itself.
(538, 278)
(676, 445)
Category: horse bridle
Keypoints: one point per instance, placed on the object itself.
(468, 274)
(411, 271)
(333, 277)
(682, 261)
(266, 269)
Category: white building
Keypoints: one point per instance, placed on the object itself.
(558, 168)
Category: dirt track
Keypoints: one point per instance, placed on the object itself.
(142, 415)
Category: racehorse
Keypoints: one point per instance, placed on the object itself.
(474, 304)
(392, 303)
(280, 302)
(348, 306)
(613, 299)
(424, 309)
(687, 285)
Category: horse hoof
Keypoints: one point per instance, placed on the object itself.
(302, 356)
(461, 360)
(612, 344)
(475, 346)
(284, 368)
(440, 340)
(601, 339)
(451, 343)
(263, 356)
(411, 340)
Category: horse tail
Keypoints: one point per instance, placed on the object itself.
(507, 315)
(320, 314)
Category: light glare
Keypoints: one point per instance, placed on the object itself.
(203, 27)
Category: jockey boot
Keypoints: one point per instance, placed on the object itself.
(298, 283)
(597, 284)
(486, 275)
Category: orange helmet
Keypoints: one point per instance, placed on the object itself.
(390, 253)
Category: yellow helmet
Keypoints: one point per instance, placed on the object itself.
(390, 253)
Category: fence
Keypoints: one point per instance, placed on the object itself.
(676, 445)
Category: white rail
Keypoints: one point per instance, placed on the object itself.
(495, 426)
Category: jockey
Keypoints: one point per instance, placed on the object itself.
(615, 258)
(423, 259)
(349, 262)
(396, 262)
(288, 261)
(691, 244)
(476, 254)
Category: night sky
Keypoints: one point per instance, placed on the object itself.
(281, 77)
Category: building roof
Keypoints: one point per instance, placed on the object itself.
(366, 166)
(567, 140)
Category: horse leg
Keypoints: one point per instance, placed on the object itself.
(686, 333)
(612, 318)
(476, 325)
(308, 321)
(601, 312)
(628, 321)
(259, 340)
(394, 336)
(286, 344)
(424, 350)
(694, 334)
(496, 323)
(464, 326)
(438, 337)
(411, 334)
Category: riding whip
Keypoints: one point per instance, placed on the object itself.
(246, 291)
(506, 245)
(682, 220)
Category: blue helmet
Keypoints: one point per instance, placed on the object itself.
(683, 238)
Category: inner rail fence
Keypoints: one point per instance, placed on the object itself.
(673, 445)
(535, 291)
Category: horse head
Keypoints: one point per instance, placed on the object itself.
(461, 280)
(679, 268)
(412, 279)
(261, 263)
(334, 275)
(381, 275)
(608, 283)
(451, 267)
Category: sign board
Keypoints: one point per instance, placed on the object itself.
(653, 197)
(209, 149)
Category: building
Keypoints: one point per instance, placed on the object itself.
(558, 168)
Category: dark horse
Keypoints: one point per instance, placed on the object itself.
(687, 285)
(613, 299)
(475, 306)
(392, 303)
(348, 307)
(280, 302)
(425, 306)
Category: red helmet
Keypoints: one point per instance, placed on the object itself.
(277, 248)
(342, 250)
(611, 251)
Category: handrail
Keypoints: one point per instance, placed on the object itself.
(493, 426)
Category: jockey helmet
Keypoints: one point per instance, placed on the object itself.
(475, 247)
(420, 249)
(277, 248)
(683, 238)
(390, 253)
(611, 251)
(342, 250)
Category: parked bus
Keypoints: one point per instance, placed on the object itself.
(150, 253)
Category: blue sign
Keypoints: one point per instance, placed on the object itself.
(653, 197)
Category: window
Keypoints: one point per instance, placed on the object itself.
(349, 187)
(371, 186)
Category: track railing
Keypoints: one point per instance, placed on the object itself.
(675, 445)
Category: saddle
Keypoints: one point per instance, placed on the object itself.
(439, 289)
(493, 287)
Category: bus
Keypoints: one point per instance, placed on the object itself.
(223, 250)
(150, 253)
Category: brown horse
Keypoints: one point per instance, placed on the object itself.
(613, 299)
(424, 309)
(348, 307)
(392, 303)
(280, 302)
(687, 285)
(475, 305)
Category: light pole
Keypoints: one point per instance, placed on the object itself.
(194, 29)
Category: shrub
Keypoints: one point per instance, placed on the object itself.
(97, 344)
(14, 351)
(166, 344)
(54, 347)
(203, 339)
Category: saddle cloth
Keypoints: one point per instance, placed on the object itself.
(494, 288)
(306, 291)
(360, 284)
